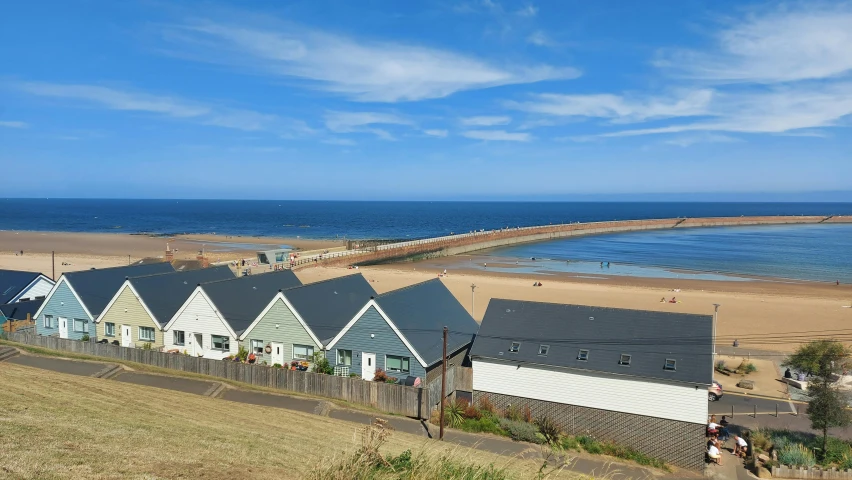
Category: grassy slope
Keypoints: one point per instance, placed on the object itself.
(60, 426)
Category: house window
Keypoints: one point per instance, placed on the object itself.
(305, 352)
(624, 360)
(394, 363)
(109, 329)
(48, 321)
(221, 343)
(257, 347)
(515, 347)
(146, 333)
(344, 357)
(79, 325)
(179, 337)
(670, 364)
(542, 349)
(583, 355)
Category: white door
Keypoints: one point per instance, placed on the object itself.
(368, 366)
(277, 355)
(126, 336)
(63, 327)
(197, 344)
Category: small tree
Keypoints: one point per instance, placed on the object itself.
(823, 359)
(321, 363)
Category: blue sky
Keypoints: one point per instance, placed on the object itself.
(481, 99)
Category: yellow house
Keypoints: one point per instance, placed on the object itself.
(137, 313)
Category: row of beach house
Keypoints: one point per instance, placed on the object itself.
(636, 377)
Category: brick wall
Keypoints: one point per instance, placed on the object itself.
(678, 443)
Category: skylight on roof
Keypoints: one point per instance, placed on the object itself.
(624, 360)
(670, 364)
(515, 347)
(543, 349)
(583, 355)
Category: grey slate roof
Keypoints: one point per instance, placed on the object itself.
(240, 300)
(164, 293)
(96, 287)
(649, 337)
(19, 310)
(13, 281)
(421, 311)
(327, 306)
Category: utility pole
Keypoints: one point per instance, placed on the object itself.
(472, 300)
(715, 315)
(443, 383)
(53, 264)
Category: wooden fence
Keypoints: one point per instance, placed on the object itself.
(397, 399)
(11, 326)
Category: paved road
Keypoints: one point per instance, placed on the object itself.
(186, 385)
(84, 369)
(745, 405)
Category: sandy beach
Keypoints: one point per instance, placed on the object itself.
(761, 314)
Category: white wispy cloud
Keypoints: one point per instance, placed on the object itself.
(13, 124)
(541, 39)
(778, 110)
(485, 121)
(618, 107)
(171, 106)
(362, 122)
(809, 41)
(361, 70)
(528, 11)
(339, 141)
(692, 139)
(436, 133)
(498, 135)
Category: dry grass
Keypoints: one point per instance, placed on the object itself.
(60, 426)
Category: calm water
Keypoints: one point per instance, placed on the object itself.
(804, 252)
(814, 252)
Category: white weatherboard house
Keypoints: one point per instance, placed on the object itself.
(211, 320)
(635, 377)
(18, 286)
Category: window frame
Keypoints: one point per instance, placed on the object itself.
(107, 329)
(256, 350)
(338, 357)
(153, 338)
(308, 348)
(175, 340)
(583, 355)
(621, 359)
(403, 361)
(543, 350)
(83, 322)
(673, 365)
(47, 322)
(513, 348)
(226, 343)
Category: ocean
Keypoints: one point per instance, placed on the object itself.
(812, 252)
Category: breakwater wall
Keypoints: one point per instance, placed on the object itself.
(481, 240)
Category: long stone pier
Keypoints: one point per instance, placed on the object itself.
(481, 240)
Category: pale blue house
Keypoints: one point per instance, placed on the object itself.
(401, 333)
(78, 298)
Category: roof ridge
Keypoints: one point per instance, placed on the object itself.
(113, 268)
(181, 271)
(601, 308)
(20, 271)
(391, 292)
(324, 281)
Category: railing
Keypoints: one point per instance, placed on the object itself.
(397, 399)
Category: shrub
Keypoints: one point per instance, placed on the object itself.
(242, 353)
(549, 429)
(276, 365)
(521, 431)
(85, 337)
(391, 380)
(486, 424)
(749, 368)
(513, 412)
(837, 452)
(796, 455)
(485, 406)
(720, 366)
(570, 442)
(380, 376)
(146, 346)
(761, 440)
(528, 414)
(454, 413)
(590, 445)
(321, 364)
(472, 412)
(354, 375)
